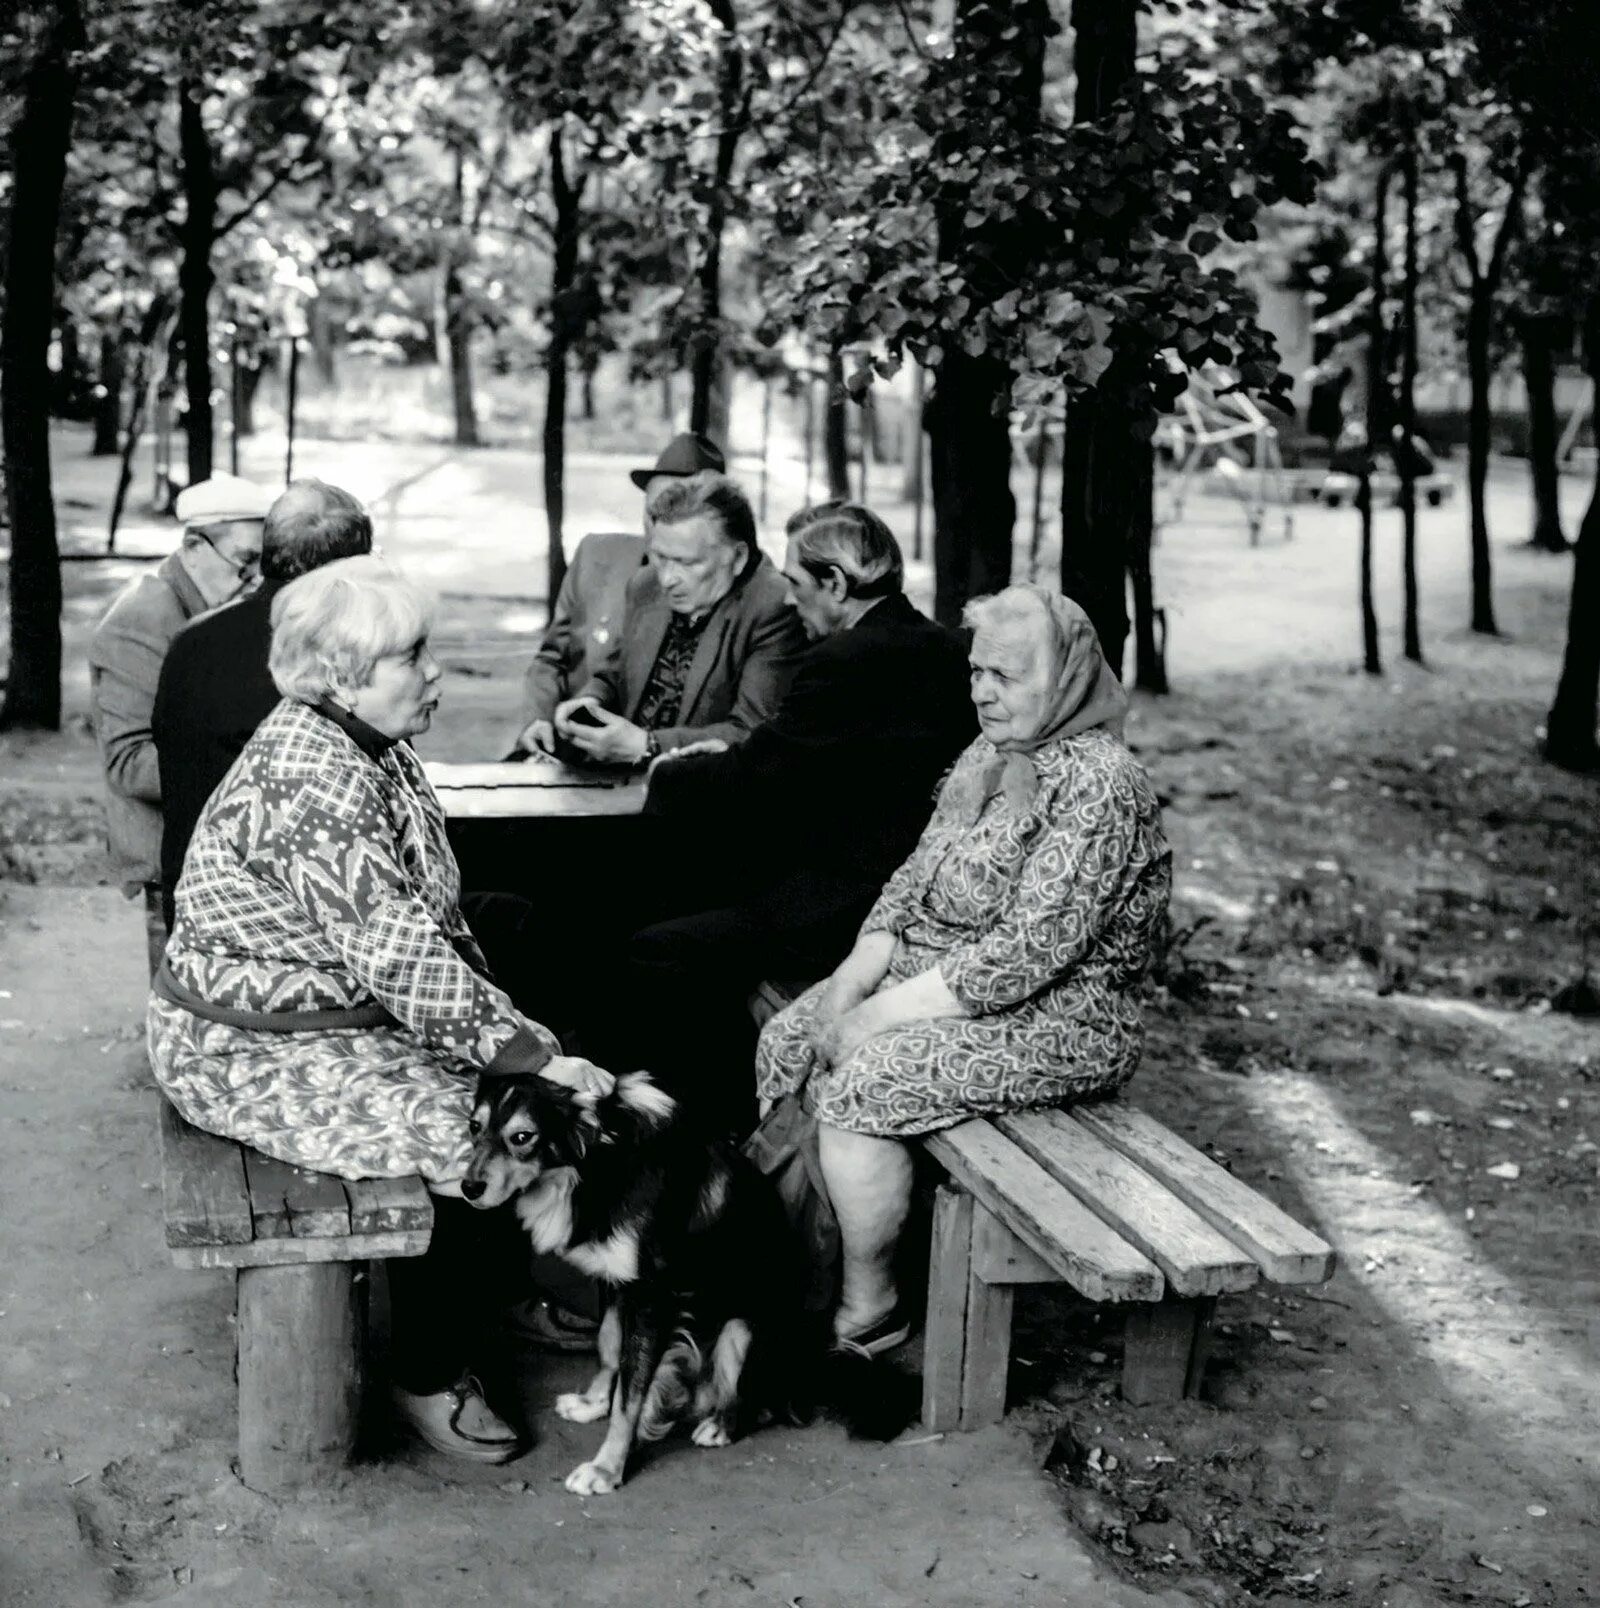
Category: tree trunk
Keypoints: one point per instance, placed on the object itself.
(707, 355)
(835, 431)
(455, 312)
(969, 430)
(108, 396)
(1105, 465)
(911, 446)
(974, 511)
(1539, 377)
(1376, 421)
(324, 347)
(566, 198)
(587, 403)
(1404, 457)
(1480, 319)
(198, 236)
(41, 136)
(1570, 725)
(1149, 622)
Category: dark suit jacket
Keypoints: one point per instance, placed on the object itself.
(746, 656)
(842, 778)
(213, 693)
(585, 620)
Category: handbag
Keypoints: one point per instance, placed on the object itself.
(783, 1148)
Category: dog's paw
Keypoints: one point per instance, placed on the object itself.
(577, 1408)
(712, 1432)
(592, 1479)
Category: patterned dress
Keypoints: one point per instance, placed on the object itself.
(1041, 922)
(320, 878)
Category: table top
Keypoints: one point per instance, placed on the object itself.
(539, 788)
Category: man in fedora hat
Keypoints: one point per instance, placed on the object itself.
(218, 558)
(588, 610)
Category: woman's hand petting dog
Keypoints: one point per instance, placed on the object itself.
(586, 1080)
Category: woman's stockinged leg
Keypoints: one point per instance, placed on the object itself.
(869, 1182)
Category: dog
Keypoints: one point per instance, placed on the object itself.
(706, 1322)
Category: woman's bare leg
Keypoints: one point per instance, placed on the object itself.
(869, 1181)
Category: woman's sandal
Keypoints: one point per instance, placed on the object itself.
(460, 1422)
(891, 1330)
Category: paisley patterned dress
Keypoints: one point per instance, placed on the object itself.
(1040, 920)
(320, 878)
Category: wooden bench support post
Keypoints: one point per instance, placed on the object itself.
(1164, 1348)
(944, 1341)
(300, 1352)
(988, 1348)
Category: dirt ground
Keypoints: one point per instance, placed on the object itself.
(1384, 903)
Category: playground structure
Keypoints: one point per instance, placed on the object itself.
(1223, 430)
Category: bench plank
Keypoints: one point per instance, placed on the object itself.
(1196, 1259)
(380, 1205)
(1286, 1252)
(202, 1186)
(299, 1252)
(1092, 1258)
(289, 1202)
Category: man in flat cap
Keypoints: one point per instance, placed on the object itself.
(218, 558)
(588, 612)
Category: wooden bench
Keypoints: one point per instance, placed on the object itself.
(299, 1242)
(1102, 1198)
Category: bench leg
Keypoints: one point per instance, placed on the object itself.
(944, 1339)
(1164, 1348)
(988, 1327)
(300, 1354)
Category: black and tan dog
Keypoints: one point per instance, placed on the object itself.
(706, 1323)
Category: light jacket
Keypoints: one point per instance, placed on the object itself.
(125, 656)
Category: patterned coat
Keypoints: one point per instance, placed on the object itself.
(320, 878)
(1041, 923)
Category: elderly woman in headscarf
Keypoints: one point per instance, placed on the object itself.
(1001, 967)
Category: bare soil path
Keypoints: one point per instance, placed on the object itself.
(1380, 896)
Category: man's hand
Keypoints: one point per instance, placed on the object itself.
(614, 741)
(706, 745)
(537, 737)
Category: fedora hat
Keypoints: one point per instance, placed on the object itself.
(685, 454)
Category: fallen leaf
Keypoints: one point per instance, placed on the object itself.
(1535, 1511)
(1508, 1170)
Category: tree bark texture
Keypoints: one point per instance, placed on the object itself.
(41, 136)
(1107, 466)
(1539, 377)
(198, 238)
(1570, 726)
(707, 355)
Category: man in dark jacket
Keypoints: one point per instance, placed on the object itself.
(837, 787)
(214, 689)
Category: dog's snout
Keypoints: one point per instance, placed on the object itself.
(472, 1188)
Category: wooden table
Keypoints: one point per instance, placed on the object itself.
(538, 789)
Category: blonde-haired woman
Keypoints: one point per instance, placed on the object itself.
(322, 998)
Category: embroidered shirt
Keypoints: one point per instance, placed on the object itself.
(663, 692)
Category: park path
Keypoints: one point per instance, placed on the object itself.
(117, 1405)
